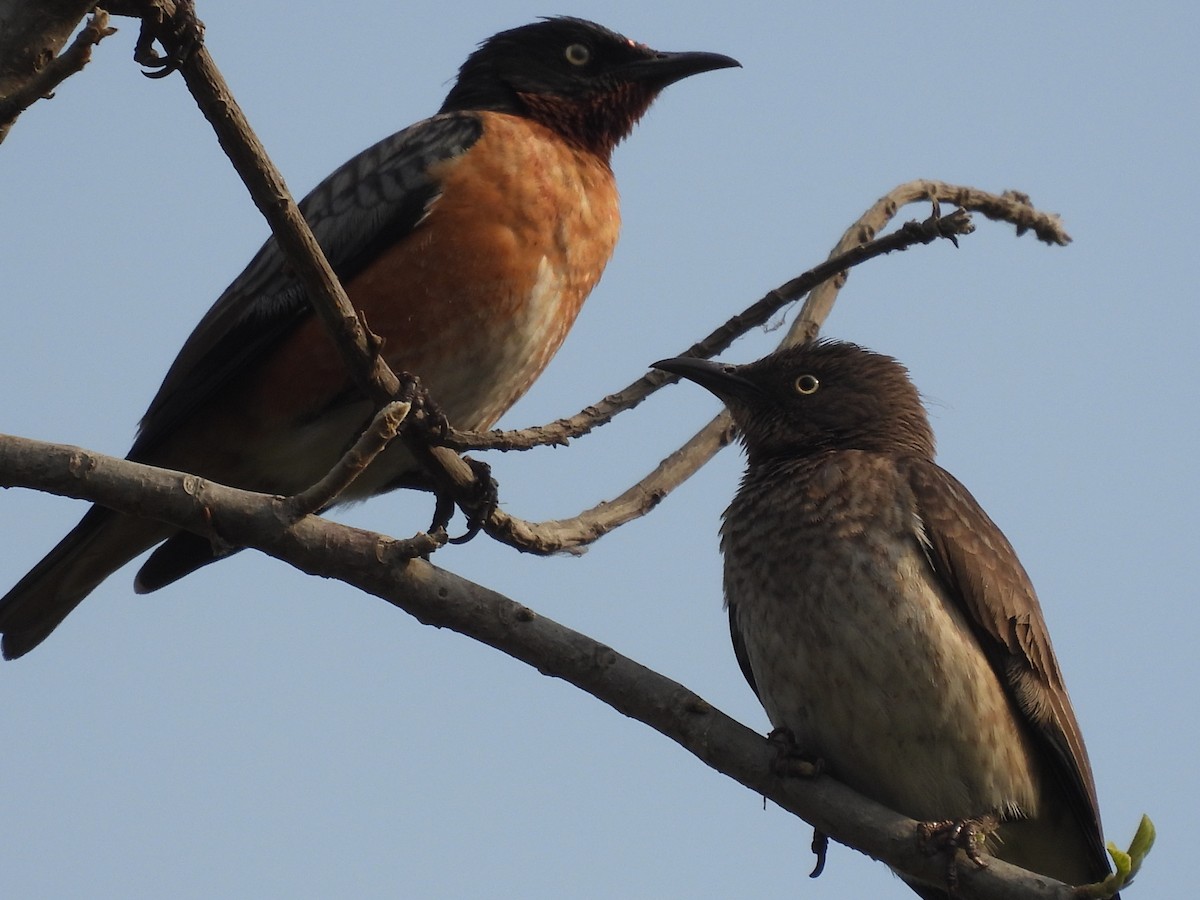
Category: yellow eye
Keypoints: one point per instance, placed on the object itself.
(807, 384)
(578, 54)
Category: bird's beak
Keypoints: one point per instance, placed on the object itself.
(722, 379)
(667, 68)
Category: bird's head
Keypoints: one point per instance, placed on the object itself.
(817, 396)
(587, 83)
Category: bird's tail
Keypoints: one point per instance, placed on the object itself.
(101, 543)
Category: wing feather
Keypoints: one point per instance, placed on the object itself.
(378, 197)
(981, 571)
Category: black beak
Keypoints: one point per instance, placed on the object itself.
(667, 68)
(722, 379)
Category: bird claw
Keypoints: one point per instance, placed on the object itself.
(431, 421)
(790, 761)
(951, 835)
(820, 849)
(487, 498)
(425, 410)
(180, 35)
(479, 509)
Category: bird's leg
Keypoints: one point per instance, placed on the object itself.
(179, 35)
(790, 761)
(952, 835)
(434, 427)
(425, 410)
(479, 509)
(483, 504)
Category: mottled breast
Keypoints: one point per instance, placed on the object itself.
(857, 648)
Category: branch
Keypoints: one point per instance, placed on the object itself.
(1013, 207)
(174, 25)
(373, 441)
(857, 245)
(383, 567)
(33, 71)
(559, 433)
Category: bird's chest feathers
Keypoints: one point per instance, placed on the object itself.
(517, 237)
(832, 552)
(854, 643)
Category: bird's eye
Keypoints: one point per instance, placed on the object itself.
(578, 54)
(807, 384)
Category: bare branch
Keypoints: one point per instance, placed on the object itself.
(384, 567)
(181, 33)
(373, 441)
(42, 70)
(560, 432)
(1011, 206)
(174, 25)
(824, 282)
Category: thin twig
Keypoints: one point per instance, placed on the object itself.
(1011, 206)
(574, 534)
(373, 441)
(562, 431)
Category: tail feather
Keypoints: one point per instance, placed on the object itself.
(101, 543)
(182, 554)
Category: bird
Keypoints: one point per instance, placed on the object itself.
(468, 242)
(882, 618)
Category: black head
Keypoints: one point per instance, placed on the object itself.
(818, 396)
(590, 84)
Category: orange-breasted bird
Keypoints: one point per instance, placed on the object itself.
(883, 619)
(469, 241)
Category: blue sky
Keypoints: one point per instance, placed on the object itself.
(254, 732)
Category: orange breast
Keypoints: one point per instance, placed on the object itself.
(476, 300)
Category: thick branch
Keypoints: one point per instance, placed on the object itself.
(382, 566)
(30, 36)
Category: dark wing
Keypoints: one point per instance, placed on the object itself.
(376, 198)
(739, 650)
(981, 571)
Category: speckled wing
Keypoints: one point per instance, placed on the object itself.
(981, 571)
(378, 197)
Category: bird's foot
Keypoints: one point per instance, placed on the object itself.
(432, 424)
(478, 509)
(790, 761)
(483, 504)
(425, 412)
(950, 836)
(180, 35)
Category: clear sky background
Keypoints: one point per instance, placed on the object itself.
(253, 732)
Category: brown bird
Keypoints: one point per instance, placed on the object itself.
(883, 619)
(469, 242)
